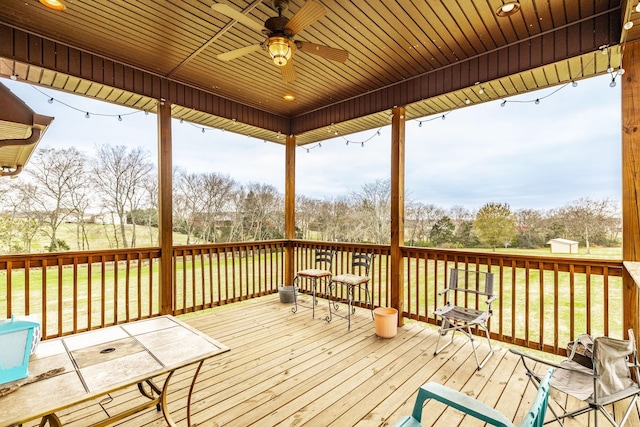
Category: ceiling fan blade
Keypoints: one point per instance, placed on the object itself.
(232, 13)
(237, 53)
(325, 51)
(310, 12)
(288, 72)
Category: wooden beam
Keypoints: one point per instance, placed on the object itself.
(631, 181)
(29, 48)
(165, 204)
(290, 206)
(397, 210)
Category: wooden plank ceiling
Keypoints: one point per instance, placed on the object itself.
(429, 55)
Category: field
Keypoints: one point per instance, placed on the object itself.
(101, 236)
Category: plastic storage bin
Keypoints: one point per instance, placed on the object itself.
(16, 341)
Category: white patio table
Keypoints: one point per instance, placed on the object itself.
(101, 361)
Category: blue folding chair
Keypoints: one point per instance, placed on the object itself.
(476, 409)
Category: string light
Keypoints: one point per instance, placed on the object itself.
(50, 101)
(119, 118)
(537, 101)
(87, 115)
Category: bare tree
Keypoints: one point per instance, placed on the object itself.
(120, 174)
(419, 219)
(218, 194)
(57, 173)
(373, 204)
(263, 209)
(307, 215)
(589, 220)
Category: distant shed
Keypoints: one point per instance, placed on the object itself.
(563, 246)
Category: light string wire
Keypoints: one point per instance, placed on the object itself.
(605, 49)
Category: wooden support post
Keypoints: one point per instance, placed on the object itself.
(397, 210)
(290, 208)
(165, 205)
(631, 181)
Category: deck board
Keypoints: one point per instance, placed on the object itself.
(287, 369)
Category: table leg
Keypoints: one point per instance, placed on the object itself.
(193, 383)
(52, 419)
(163, 402)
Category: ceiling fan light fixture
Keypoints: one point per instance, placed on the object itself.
(280, 49)
(508, 9)
(289, 97)
(54, 4)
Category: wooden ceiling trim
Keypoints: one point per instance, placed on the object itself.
(23, 47)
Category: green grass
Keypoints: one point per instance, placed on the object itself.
(101, 236)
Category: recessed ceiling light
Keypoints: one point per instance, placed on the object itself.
(508, 9)
(54, 4)
(289, 97)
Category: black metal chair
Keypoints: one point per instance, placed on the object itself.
(360, 264)
(323, 260)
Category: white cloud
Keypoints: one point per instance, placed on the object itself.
(530, 156)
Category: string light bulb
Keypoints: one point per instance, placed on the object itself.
(503, 103)
(574, 83)
(50, 101)
(613, 82)
(87, 115)
(537, 101)
(119, 118)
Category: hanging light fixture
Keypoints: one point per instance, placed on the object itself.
(508, 9)
(280, 49)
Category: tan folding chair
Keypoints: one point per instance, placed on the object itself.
(323, 260)
(460, 310)
(609, 381)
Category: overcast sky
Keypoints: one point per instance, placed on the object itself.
(529, 155)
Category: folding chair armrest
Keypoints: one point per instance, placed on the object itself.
(459, 401)
(524, 356)
(492, 299)
(444, 291)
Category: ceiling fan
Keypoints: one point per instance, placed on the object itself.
(280, 31)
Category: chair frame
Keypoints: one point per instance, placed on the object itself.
(595, 403)
(472, 407)
(321, 257)
(457, 318)
(351, 281)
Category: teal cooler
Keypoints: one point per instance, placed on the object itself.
(16, 341)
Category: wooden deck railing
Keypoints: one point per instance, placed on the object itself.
(543, 301)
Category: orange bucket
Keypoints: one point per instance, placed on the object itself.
(386, 321)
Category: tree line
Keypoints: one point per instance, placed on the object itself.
(117, 187)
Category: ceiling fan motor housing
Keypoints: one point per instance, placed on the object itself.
(280, 5)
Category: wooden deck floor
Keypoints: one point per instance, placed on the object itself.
(288, 369)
